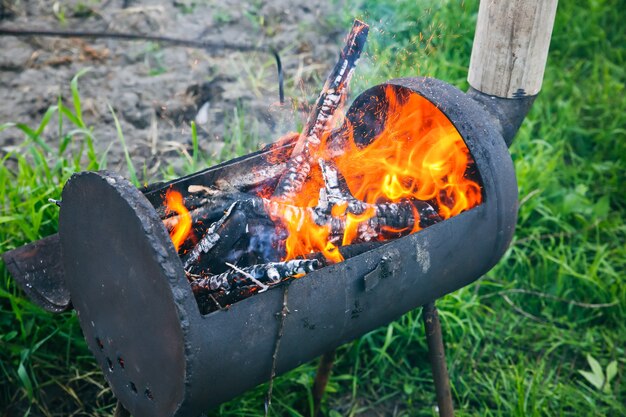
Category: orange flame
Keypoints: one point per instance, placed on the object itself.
(418, 155)
(181, 229)
(352, 224)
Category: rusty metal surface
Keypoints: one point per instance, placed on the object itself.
(37, 269)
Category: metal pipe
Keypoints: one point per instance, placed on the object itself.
(321, 379)
(437, 357)
(506, 113)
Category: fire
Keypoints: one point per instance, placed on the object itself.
(419, 155)
(181, 229)
(352, 225)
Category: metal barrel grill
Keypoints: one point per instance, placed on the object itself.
(113, 261)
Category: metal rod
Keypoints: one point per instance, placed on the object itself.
(321, 379)
(120, 411)
(437, 357)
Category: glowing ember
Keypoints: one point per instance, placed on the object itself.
(181, 229)
(419, 155)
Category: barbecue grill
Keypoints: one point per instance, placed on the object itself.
(113, 260)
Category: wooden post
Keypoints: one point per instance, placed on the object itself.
(511, 46)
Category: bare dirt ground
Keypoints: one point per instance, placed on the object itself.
(156, 90)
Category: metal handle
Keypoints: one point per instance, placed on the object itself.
(511, 46)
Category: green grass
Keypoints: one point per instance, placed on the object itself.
(516, 340)
(44, 362)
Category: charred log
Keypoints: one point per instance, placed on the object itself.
(245, 234)
(228, 248)
(371, 221)
(209, 240)
(322, 116)
(210, 208)
(267, 274)
(247, 231)
(191, 202)
(384, 221)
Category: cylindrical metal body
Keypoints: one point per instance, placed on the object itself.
(511, 46)
(163, 358)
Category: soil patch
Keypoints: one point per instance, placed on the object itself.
(157, 90)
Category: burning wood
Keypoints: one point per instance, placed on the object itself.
(362, 222)
(336, 194)
(253, 276)
(348, 220)
(322, 116)
(210, 239)
(175, 203)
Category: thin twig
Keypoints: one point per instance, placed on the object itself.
(542, 320)
(523, 312)
(552, 297)
(281, 330)
(249, 276)
(217, 304)
(279, 67)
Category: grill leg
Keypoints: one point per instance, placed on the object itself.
(120, 411)
(437, 357)
(321, 379)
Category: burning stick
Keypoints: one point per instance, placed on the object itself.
(210, 208)
(369, 222)
(209, 240)
(321, 118)
(336, 191)
(348, 220)
(352, 220)
(319, 122)
(391, 219)
(399, 217)
(251, 277)
(257, 275)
